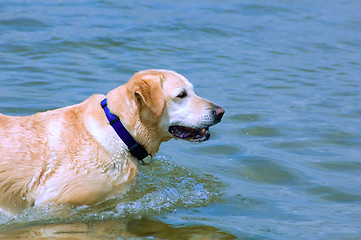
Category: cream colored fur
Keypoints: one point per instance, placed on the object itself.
(72, 155)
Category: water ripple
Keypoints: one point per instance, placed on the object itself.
(161, 187)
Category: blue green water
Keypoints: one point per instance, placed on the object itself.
(285, 162)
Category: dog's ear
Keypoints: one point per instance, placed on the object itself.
(148, 91)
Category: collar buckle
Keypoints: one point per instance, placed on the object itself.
(138, 151)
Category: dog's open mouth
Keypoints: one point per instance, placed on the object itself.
(190, 134)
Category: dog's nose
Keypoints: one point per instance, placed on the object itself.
(218, 112)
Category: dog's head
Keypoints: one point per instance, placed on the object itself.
(166, 100)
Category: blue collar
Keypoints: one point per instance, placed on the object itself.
(134, 148)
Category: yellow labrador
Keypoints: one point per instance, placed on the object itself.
(84, 153)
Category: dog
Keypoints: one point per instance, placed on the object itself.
(85, 153)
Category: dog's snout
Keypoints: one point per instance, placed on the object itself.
(218, 112)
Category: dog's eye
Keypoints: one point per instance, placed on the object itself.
(182, 94)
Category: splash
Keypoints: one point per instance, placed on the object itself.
(161, 187)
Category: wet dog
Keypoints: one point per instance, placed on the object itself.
(84, 153)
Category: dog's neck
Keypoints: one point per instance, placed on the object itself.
(134, 147)
(122, 104)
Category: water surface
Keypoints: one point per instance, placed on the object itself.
(283, 164)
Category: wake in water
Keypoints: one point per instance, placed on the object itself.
(161, 187)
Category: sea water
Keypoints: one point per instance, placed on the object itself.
(284, 163)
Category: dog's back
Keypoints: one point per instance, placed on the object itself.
(18, 137)
(29, 153)
(54, 157)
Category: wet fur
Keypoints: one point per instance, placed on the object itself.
(72, 155)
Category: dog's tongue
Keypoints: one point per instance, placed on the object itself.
(190, 134)
(182, 132)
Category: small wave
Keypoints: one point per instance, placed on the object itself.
(161, 187)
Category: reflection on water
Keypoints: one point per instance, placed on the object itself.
(120, 228)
